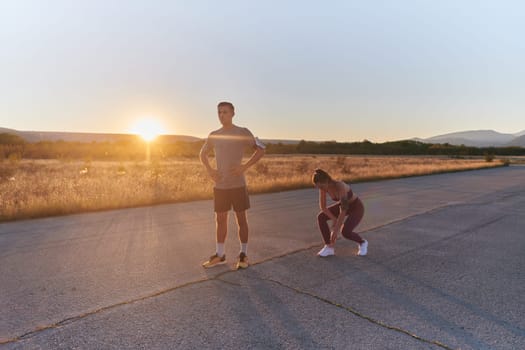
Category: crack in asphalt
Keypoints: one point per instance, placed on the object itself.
(69, 320)
(217, 277)
(343, 307)
(356, 313)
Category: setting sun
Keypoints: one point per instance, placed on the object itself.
(148, 129)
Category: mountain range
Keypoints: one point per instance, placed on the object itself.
(479, 138)
(36, 136)
(474, 138)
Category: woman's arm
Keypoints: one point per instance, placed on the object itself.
(343, 208)
(322, 205)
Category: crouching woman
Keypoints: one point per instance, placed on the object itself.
(344, 215)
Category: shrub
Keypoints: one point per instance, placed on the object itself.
(505, 161)
(340, 161)
(6, 171)
(261, 168)
(302, 166)
(14, 158)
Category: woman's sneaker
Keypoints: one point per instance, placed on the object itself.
(214, 260)
(363, 248)
(326, 251)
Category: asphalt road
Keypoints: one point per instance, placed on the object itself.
(445, 270)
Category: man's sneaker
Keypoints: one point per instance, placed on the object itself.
(326, 251)
(363, 248)
(214, 261)
(243, 261)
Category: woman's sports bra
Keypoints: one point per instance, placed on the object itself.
(350, 194)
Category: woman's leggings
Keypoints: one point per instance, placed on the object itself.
(355, 214)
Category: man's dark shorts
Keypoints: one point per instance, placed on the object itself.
(225, 199)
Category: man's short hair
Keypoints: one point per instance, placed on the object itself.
(226, 104)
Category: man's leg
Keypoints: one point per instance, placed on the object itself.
(221, 231)
(241, 203)
(220, 236)
(242, 222)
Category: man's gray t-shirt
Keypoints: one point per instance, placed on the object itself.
(229, 145)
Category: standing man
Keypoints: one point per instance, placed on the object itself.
(229, 143)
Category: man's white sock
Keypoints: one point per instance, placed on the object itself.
(220, 249)
(244, 248)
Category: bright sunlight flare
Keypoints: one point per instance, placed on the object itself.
(148, 129)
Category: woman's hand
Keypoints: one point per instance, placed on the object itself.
(333, 237)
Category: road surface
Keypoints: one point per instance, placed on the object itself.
(445, 270)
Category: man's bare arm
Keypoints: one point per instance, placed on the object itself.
(256, 156)
(203, 155)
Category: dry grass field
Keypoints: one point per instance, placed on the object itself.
(39, 188)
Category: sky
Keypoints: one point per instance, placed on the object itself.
(314, 70)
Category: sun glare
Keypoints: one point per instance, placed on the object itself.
(148, 129)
